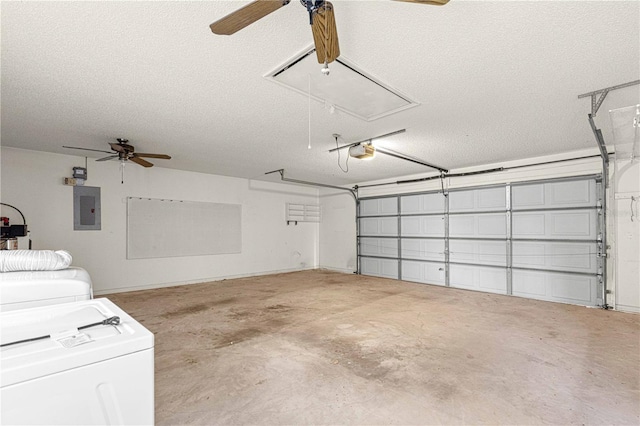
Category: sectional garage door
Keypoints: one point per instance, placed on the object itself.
(539, 239)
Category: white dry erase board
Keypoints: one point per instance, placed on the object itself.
(170, 228)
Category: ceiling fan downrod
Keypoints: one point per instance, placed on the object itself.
(312, 7)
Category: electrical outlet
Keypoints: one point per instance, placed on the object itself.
(70, 181)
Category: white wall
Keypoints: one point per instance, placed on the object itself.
(32, 181)
(625, 239)
(338, 231)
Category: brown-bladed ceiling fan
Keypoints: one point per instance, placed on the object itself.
(321, 18)
(125, 152)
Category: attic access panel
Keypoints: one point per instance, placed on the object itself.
(347, 87)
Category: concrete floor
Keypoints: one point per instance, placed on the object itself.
(320, 347)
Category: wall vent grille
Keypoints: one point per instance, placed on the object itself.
(303, 212)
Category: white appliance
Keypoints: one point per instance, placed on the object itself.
(28, 289)
(101, 374)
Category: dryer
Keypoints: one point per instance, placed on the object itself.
(28, 289)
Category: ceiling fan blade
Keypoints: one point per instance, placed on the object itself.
(87, 149)
(430, 2)
(111, 157)
(325, 33)
(246, 16)
(117, 147)
(140, 161)
(162, 156)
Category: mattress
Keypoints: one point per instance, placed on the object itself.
(28, 289)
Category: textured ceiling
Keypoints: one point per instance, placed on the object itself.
(496, 81)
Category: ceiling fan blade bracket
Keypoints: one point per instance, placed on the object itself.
(117, 147)
(121, 146)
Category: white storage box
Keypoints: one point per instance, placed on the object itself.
(28, 289)
(97, 375)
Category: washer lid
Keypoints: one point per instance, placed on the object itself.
(53, 338)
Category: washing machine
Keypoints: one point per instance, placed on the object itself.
(79, 363)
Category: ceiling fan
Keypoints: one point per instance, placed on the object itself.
(125, 152)
(321, 18)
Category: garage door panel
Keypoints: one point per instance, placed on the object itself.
(572, 193)
(557, 225)
(386, 247)
(578, 193)
(560, 256)
(462, 226)
(424, 203)
(379, 226)
(423, 226)
(490, 225)
(483, 199)
(369, 208)
(527, 196)
(423, 249)
(528, 225)
(423, 272)
(573, 224)
(385, 268)
(478, 252)
(481, 278)
(461, 201)
(554, 286)
(574, 257)
(379, 206)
